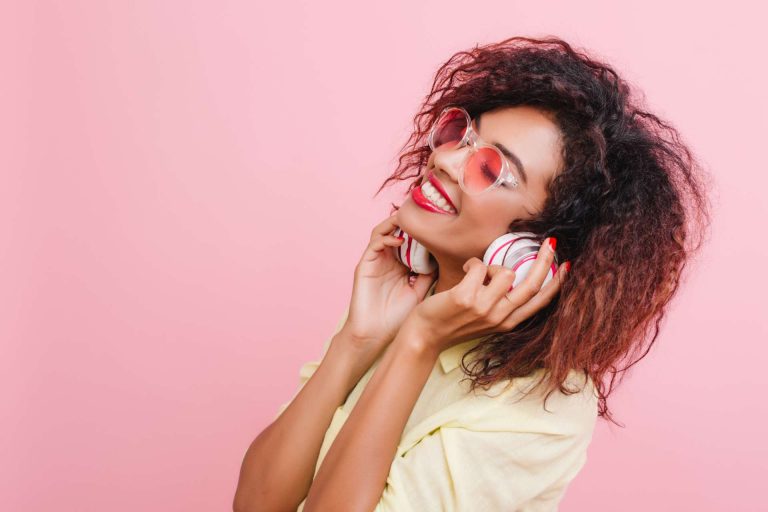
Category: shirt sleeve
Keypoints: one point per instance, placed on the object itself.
(456, 468)
(308, 368)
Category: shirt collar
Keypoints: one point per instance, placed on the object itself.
(450, 358)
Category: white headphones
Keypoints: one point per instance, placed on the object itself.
(511, 250)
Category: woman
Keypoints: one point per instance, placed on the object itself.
(385, 422)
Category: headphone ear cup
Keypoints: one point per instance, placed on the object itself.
(420, 259)
(516, 251)
(413, 255)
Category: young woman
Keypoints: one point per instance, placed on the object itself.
(385, 420)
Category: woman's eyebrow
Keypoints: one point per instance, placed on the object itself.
(508, 154)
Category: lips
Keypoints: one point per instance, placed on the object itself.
(421, 200)
(439, 186)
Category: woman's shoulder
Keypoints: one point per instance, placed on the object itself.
(525, 404)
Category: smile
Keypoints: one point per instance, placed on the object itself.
(432, 196)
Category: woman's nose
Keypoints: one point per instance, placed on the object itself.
(450, 161)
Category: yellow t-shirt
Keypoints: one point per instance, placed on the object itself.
(488, 450)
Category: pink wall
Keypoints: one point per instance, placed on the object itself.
(158, 291)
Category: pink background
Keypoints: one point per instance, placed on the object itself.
(158, 292)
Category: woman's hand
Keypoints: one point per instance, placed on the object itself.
(472, 309)
(382, 293)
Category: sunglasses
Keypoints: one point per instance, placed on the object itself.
(485, 167)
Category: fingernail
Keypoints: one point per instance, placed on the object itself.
(567, 266)
(552, 242)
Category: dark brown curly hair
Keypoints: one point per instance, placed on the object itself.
(629, 208)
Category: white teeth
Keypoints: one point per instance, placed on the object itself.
(436, 197)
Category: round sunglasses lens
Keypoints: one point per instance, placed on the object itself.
(450, 129)
(482, 170)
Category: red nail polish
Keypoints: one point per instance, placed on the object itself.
(552, 242)
(567, 266)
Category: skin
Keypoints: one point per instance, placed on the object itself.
(452, 239)
(354, 472)
(389, 314)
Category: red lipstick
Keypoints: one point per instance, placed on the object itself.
(439, 186)
(420, 199)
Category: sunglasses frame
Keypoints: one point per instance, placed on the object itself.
(472, 139)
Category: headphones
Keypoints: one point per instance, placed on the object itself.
(516, 250)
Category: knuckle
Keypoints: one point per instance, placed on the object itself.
(507, 272)
(463, 300)
(471, 262)
(507, 325)
(523, 288)
(481, 308)
(511, 320)
(496, 317)
(528, 288)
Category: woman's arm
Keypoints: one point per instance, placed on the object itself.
(278, 467)
(353, 475)
(354, 471)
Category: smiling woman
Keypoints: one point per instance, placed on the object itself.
(615, 185)
(531, 141)
(390, 417)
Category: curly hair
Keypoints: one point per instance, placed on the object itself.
(629, 209)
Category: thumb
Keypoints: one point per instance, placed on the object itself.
(422, 283)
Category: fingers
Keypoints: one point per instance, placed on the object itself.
(385, 227)
(501, 281)
(385, 241)
(531, 285)
(538, 301)
(475, 276)
(381, 237)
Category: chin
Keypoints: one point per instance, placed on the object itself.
(419, 228)
(413, 220)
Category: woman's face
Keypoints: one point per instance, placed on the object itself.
(453, 238)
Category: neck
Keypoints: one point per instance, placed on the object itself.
(447, 278)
